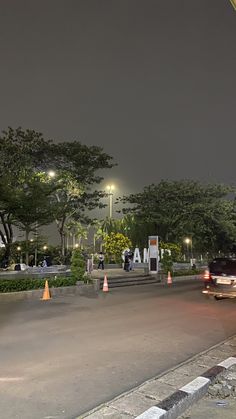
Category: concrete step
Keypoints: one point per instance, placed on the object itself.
(124, 282)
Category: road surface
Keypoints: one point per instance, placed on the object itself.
(62, 357)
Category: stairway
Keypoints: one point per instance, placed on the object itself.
(125, 281)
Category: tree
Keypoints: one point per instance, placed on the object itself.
(77, 231)
(174, 248)
(31, 206)
(77, 265)
(74, 200)
(22, 153)
(179, 208)
(77, 167)
(26, 153)
(115, 244)
(167, 263)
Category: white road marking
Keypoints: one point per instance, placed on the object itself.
(195, 385)
(152, 413)
(9, 379)
(228, 362)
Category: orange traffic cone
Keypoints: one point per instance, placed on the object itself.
(169, 279)
(105, 284)
(46, 293)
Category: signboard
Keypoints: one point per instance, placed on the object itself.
(153, 254)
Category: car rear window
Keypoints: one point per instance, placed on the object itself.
(223, 266)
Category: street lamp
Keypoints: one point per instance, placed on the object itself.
(51, 173)
(188, 242)
(19, 250)
(110, 188)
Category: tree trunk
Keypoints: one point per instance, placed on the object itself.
(67, 242)
(6, 235)
(60, 228)
(27, 247)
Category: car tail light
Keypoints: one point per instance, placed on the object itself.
(207, 275)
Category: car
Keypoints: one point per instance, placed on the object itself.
(220, 278)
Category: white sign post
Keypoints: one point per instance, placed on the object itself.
(153, 254)
(136, 258)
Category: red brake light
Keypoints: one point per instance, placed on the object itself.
(207, 275)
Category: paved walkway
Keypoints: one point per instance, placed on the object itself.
(212, 408)
(131, 404)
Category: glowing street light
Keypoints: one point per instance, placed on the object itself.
(51, 173)
(188, 242)
(45, 247)
(110, 188)
(20, 255)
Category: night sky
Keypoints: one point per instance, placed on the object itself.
(151, 81)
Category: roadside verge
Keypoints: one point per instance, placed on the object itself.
(172, 392)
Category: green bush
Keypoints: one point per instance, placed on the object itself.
(13, 285)
(186, 272)
(167, 263)
(77, 266)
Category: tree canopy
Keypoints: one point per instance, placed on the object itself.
(29, 196)
(176, 209)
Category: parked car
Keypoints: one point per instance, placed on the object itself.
(220, 278)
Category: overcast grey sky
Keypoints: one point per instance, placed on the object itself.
(151, 81)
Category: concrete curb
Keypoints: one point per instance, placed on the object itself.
(86, 289)
(182, 399)
(126, 403)
(83, 290)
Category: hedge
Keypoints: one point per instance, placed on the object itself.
(186, 272)
(8, 285)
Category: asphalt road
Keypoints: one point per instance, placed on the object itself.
(62, 357)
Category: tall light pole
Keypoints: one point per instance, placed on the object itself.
(188, 242)
(110, 188)
(19, 250)
(51, 173)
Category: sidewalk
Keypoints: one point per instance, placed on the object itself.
(133, 403)
(212, 408)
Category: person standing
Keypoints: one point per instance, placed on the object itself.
(126, 264)
(131, 260)
(44, 262)
(101, 258)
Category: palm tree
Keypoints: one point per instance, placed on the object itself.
(77, 231)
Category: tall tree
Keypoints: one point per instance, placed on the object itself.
(26, 153)
(179, 208)
(22, 154)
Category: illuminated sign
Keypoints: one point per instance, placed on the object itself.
(153, 254)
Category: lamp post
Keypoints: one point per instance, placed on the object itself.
(19, 250)
(51, 173)
(188, 242)
(110, 188)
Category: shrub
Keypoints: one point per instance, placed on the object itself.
(115, 244)
(186, 272)
(77, 266)
(13, 285)
(167, 263)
